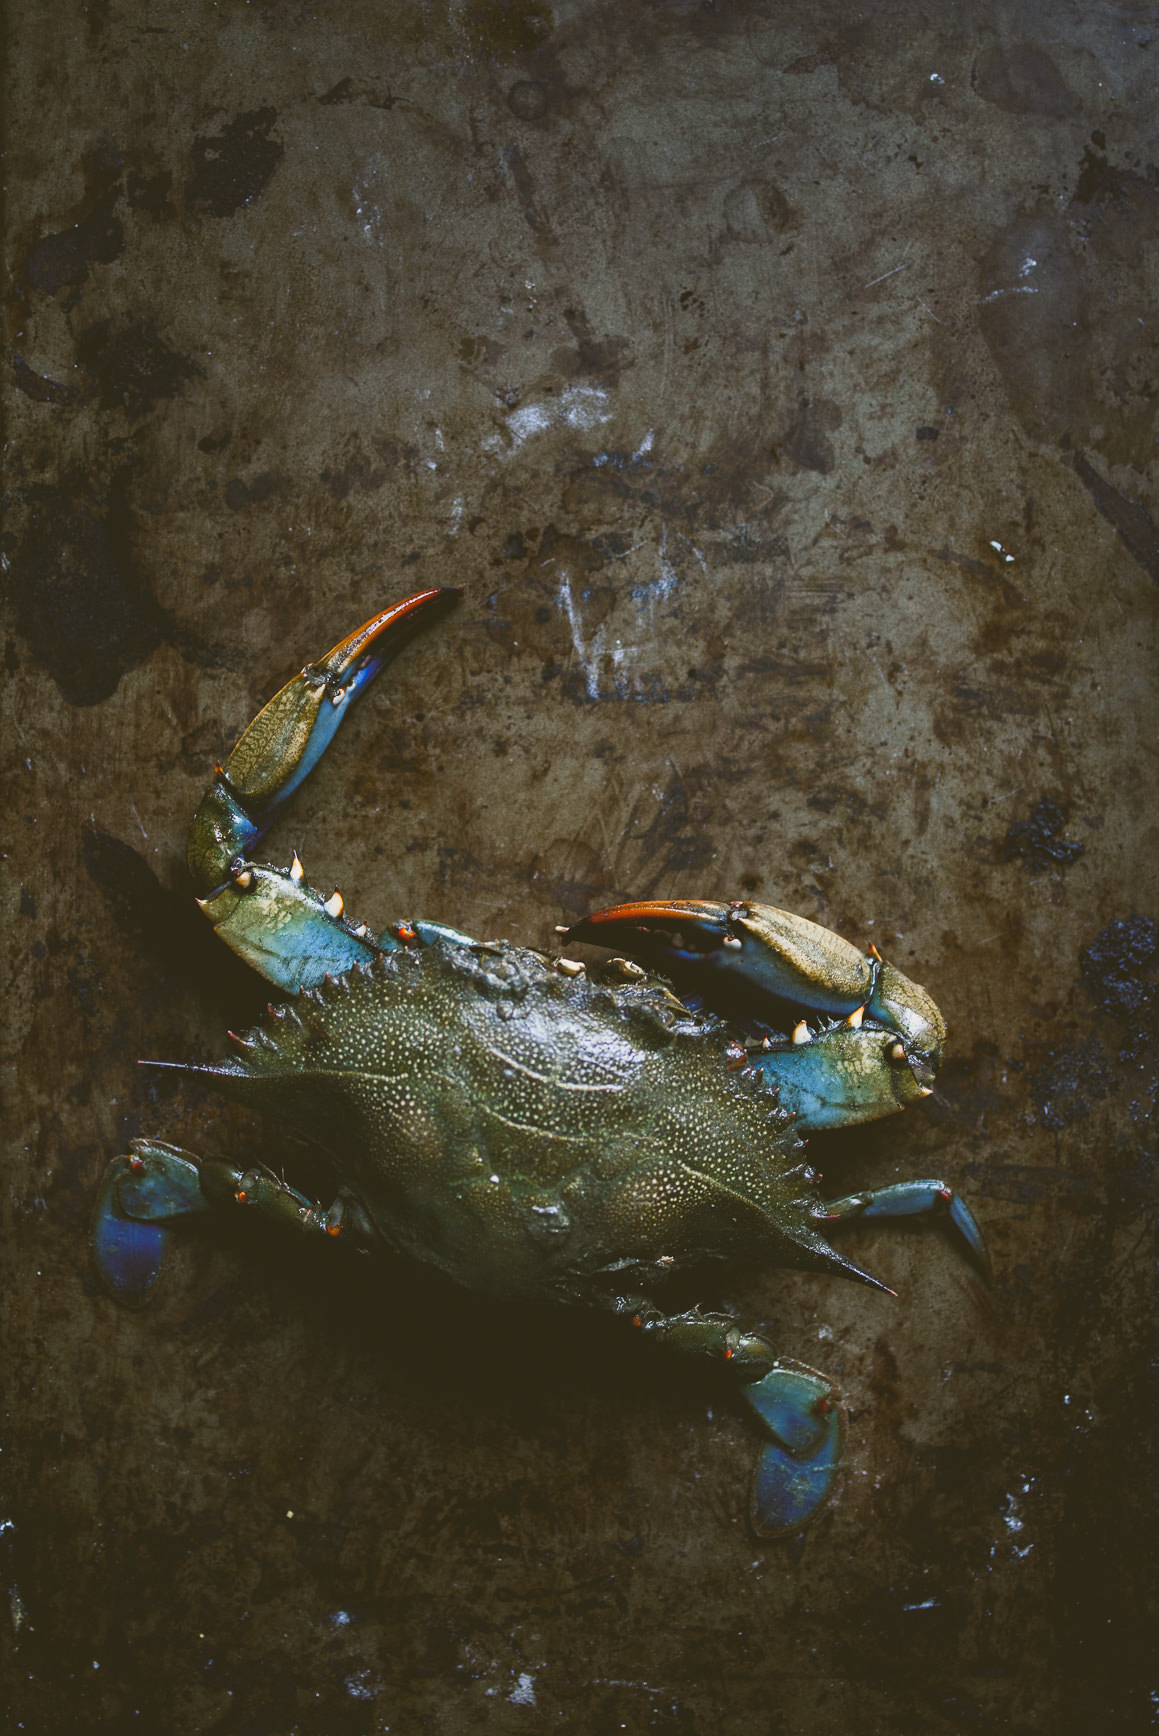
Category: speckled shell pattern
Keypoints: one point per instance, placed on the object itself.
(531, 1133)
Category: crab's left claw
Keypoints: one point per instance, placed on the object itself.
(796, 1472)
(753, 961)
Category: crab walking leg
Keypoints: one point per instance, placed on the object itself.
(158, 1184)
(798, 1409)
(905, 1199)
(270, 916)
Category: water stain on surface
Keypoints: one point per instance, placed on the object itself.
(1129, 518)
(1023, 79)
(96, 235)
(132, 366)
(82, 607)
(232, 168)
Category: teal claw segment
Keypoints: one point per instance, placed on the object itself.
(287, 931)
(838, 1077)
(796, 1472)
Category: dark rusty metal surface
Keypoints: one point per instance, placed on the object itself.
(779, 381)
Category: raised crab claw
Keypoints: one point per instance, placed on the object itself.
(535, 1127)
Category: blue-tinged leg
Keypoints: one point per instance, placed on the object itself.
(157, 1185)
(271, 917)
(796, 1473)
(798, 1409)
(139, 1197)
(906, 1199)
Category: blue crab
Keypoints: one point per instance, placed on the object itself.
(536, 1127)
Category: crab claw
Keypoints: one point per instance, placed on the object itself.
(287, 738)
(796, 1472)
(270, 916)
(753, 961)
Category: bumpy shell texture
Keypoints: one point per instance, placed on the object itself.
(532, 1133)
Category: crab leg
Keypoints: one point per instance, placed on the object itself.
(906, 1199)
(799, 1410)
(270, 916)
(753, 961)
(142, 1194)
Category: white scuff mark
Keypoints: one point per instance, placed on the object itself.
(585, 406)
(936, 78)
(588, 655)
(440, 443)
(647, 595)
(998, 549)
(926, 1603)
(529, 419)
(594, 653)
(1027, 266)
(892, 272)
(366, 208)
(669, 578)
(644, 447)
(137, 817)
(580, 407)
(1014, 289)
(523, 1693)
(456, 514)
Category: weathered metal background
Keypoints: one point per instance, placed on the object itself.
(779, 381)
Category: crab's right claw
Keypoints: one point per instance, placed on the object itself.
(756, 962)
(796, 1472)
(748, 951)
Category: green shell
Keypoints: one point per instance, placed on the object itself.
(531, 1133)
